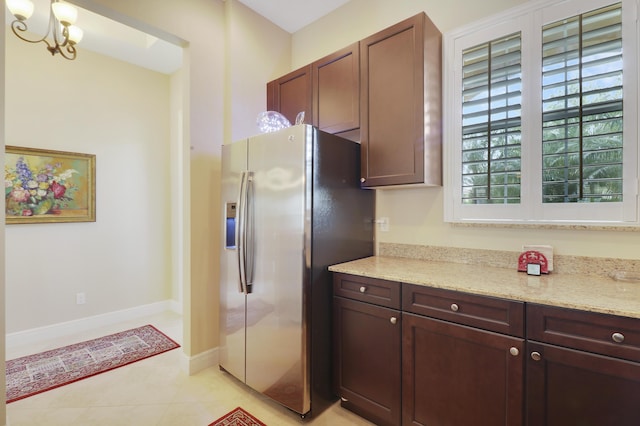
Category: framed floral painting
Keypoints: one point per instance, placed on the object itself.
(44, 186)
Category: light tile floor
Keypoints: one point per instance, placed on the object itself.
(152, 392)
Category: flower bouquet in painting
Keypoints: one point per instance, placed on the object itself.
(34, 192)
(46, 186)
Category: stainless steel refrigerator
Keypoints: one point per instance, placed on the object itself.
(292, 206)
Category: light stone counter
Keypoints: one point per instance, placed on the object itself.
(585, 292)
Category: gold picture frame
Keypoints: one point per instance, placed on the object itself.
(46, 186)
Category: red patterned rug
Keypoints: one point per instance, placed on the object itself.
(237, 417)
(41, 372)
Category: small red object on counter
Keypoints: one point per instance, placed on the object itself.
(533, 257)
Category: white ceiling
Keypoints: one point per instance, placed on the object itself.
(291, 15)
(128, 44)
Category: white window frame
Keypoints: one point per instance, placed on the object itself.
(529, 20)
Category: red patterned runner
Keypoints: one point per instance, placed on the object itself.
(237, 417)
(33, 374)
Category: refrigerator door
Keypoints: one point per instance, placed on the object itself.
(232, 299)
(276, 344)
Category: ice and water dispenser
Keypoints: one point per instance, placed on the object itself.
(230, 226)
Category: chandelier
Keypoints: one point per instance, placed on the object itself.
(63, 34)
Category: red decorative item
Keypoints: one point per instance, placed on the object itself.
(33, 374)
(237, 417)
(533, 257)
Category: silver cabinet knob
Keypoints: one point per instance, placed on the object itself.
(514, 351)
(393, 320)
(344, 399)
(617, 337)
(536, 356)
(363, 180)
(363, 289)
(454, 307)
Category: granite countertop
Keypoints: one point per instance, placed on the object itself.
(585, 292)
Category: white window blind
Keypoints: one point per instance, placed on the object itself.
(541, 125)
(491, 122)
(582, 108)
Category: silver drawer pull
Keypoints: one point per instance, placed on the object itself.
(536, 356)
(344, 399)
(514, 351)
(454, 307)
(393, 320)
(363, 289)
(617, 337)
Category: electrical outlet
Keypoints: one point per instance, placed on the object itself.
(81, 299)
(384, 224)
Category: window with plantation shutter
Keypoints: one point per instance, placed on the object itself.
(582, 112)
(491, 121)
(541, 115)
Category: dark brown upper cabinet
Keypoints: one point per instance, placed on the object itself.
(336, 92)
(328, 91)
(291, 94)
(383, 91)
(400, 105)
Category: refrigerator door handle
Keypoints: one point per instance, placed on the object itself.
(249, 247)
(240, 234)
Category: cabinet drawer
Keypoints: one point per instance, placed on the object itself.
(589, 331)
(370, 290)
(499, 315)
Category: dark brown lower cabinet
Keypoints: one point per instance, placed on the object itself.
(454, 375)
(583, 368)
(572, 387)
(367, 360)
(445, 358)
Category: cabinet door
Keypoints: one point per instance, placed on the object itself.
(336, 91)
(291, 94)
(456, 375)
(570, 387)
(367, 360)
(401, 104)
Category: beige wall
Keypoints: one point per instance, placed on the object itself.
(3, 406)
(120, 113)
(201, 24)
(230, 55)
(416, 215)
(360, 18)
(257, 51)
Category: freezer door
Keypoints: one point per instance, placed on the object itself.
(232, 299)
(276, 344)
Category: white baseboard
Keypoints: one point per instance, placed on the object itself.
(194, 364)
(53, 331)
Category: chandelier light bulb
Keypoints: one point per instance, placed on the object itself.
(21, 9)
(65, 13)
(75, 34)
